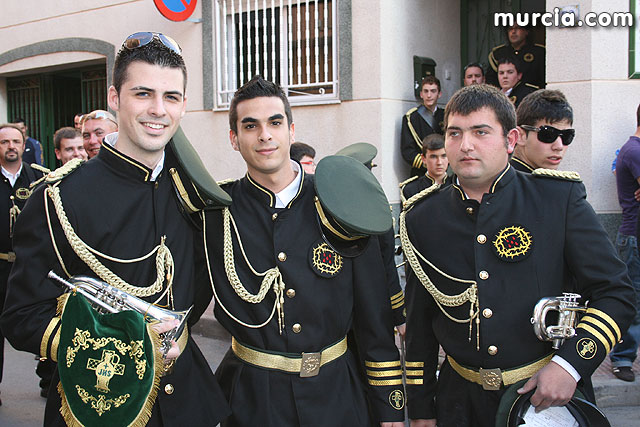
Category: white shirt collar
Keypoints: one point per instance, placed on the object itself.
(286, 195)
(112, 138)
(11, 177)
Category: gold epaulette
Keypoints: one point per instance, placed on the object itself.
(550, 173)
(406, 181)
(225, 181)
(419, 196)
(410, 112)
(63, 171)
(39, 168)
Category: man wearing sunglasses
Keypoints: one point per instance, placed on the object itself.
(544, 124)
(502, 241)
(119, 219)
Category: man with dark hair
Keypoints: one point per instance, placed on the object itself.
(286, 294)
(532, 55)
(510, 77)
(304, 154)
(15, 190)
(33, 148)
(77, 122)
(67, 142)
(419, 122)
(503, 241)
(628, 183)
(95, 126)
(544, 123)
(435, 160)
(119, 218)
(473, 74)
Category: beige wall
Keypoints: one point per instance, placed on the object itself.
(590, 65)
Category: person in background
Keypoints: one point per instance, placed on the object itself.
(68, 144)
(33, 148)
(305, 155)
(95, 126)
(473, 74)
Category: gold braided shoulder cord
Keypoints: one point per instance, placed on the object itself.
(272, 277)
(470, 295)
(164, 259)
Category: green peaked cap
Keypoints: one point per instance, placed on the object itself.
(190, 161)
(361, 151)
(352, 196)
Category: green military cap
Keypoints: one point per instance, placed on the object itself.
(351, 204)
(361, 151)
(513, 409)
(202, 192)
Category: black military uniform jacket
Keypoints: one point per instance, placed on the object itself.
(519, 91)
(325, 296)
(414, 185)
(387, 243)
(531, 56)
(115, 208)
(531, 237)
(414, 129)
(20, 192)
(521, 165)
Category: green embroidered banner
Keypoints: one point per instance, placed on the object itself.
(106, 365)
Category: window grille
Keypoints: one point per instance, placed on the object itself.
(290, 42)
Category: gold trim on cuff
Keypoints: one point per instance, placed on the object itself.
(384, 382)
(392, 364)
(608, 319)
(44, 344)
(415, 381)
(54, 345)
(382, 374)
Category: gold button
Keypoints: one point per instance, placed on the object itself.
(483, 275)
(296, 328)
(487, 313)
(168, 389)
(492, 350)
(282, 256)
(482, 239)
(470, 210)
(291, 293)
(274, 216)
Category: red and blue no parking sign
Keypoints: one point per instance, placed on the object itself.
(176, 10)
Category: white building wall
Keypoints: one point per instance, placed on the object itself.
(590, 65)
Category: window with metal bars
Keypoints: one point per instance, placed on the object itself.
(290, 42)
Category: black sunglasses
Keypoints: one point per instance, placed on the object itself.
(549, 134)
(137, 40)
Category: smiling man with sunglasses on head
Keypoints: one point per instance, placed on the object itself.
(118, 219)
(544, 123)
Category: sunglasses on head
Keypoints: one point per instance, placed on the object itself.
(97, 114)
(548, 134)
(137, 40)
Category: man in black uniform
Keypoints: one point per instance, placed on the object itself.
(419, 122)
(511, 84)
(532, 56)
(287, 297)
(117, 208)
(435, 160)
(544, 123)
(16, 179)
(503, 240)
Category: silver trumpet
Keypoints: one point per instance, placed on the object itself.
(567, 308)
(108, 299)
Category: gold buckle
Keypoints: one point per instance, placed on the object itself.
(310, 366)
(491, 378)
(11, 257)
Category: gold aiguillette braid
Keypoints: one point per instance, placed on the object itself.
(164, 259)
(469, 295)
